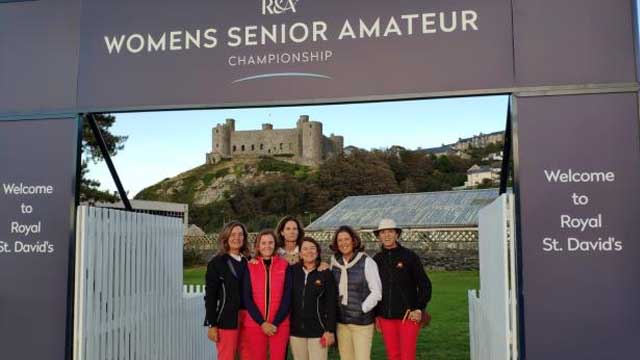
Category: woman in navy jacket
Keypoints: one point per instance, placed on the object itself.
(313, 305)
(223, 292)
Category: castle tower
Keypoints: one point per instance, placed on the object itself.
(311, 139)
(231, 124)
(303, 119)
(222, 138)
(338, 143)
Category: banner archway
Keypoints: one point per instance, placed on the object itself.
(571, 66)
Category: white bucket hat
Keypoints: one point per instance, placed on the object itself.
(387, 224)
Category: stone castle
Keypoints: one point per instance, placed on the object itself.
(305, 144)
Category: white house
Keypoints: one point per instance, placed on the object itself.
(477, 174)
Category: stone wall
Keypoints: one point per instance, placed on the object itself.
(439, 250)
(266, 142)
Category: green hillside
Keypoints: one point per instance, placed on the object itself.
(207, 183)
(258, 191)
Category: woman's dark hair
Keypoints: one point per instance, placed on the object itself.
(318, 249)
(357, 243)
(225, 233)
(262, 233)
(280, 228)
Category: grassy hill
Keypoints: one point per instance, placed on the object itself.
(258, 191)
(210, 182)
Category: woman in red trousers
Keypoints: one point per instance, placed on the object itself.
(406, 291)
(267, 296)
(223, 297)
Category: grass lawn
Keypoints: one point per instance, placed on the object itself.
(447, 338)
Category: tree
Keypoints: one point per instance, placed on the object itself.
(89, 188)
(487, 184)
(419, 169)
(359, 173)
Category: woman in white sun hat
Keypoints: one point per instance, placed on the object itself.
(406, 290)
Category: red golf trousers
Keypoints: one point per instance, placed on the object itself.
(400, 338)
(229, 339)
(257, 344)
(227, 344)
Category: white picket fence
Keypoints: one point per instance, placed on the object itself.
(492, 312)
(130, 302)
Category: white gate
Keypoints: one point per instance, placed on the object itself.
(130, 302)
(492, 312)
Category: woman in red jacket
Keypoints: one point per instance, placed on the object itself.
(267, 295)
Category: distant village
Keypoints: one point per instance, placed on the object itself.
(477, 174)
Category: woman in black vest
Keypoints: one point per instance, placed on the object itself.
(359, 290)
(223, 297)
(313, 310)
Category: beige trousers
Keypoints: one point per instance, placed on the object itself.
(307, 349)
(354, 341)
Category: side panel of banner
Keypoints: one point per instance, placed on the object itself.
(573, 42)
(39, 45)
(578, 188)
(37, 206)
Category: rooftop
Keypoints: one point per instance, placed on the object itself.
(440, 209)
(479, 169)
(437, 150)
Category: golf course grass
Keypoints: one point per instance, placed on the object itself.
(447, 338)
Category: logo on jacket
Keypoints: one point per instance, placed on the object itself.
(400, 265)
(277, 7)
(318, 283)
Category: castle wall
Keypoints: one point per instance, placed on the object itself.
(327, 146)
(338, 143)
(269, 142)
(332, 146)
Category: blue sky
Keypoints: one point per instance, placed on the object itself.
(164, 144)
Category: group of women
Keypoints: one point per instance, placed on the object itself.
(285, 295)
